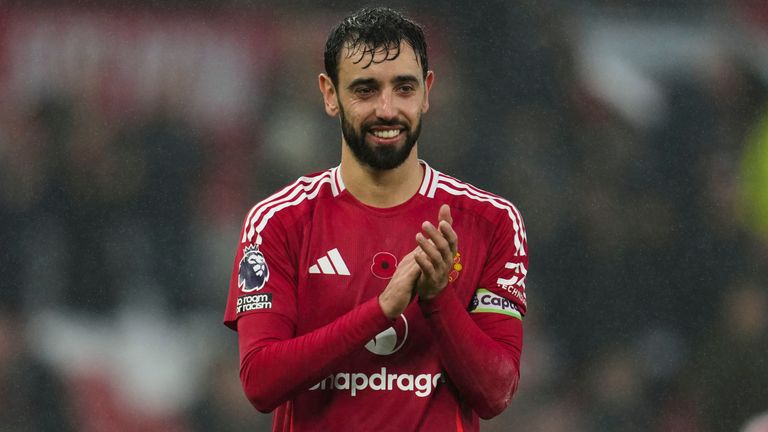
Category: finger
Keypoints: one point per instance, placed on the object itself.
(410, 265)
(414, 271)
(445, 226)
(450, 235)
(405, 278)
(406, 266)
(425, 265)
(434, 234)
(431, 250)
(445, 214)
(407, 257)
(439, 240)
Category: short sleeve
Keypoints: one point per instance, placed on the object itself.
(263, 275)
(502, 283)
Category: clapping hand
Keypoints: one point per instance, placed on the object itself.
(437, 247)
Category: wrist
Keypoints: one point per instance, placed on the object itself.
(432, 296)
(386, 309)
(429, 294)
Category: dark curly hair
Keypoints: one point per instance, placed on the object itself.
(370, 30)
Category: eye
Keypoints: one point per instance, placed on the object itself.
(363, 91)
(406, 88)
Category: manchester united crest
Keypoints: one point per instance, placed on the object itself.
(456, 269)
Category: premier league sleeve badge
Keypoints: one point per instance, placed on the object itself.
(253, 272)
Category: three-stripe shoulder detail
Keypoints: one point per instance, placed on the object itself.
(457, 187)
(303, 189)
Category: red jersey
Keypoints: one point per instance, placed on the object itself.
(310, 265)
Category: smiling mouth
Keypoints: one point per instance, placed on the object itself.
(386, 134)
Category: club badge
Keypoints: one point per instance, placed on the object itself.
(456, 269)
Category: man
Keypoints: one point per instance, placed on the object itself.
(356, 305)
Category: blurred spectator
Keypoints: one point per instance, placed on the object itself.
(754, 175)
(161, 157)
(298, 136)
(33, 146)
(222, 406)
(618, 401)
(731, 371)
(757, 424)
(32, 395)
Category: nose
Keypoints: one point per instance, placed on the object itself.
(385, 109)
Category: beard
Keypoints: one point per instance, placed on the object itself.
(383, 157)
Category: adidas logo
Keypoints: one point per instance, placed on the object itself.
(330, 264)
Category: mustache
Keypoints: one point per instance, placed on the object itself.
(389, 123)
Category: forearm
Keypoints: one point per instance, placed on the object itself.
(273, 369)
(485, 371)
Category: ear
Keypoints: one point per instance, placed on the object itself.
(430, 78)
(330, 97)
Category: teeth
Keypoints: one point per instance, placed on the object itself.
(387, 133)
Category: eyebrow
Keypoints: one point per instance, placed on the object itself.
(399, 79)
(405, 78)
(362, 81)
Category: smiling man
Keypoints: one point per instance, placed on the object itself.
(385, 102)
(391, 295)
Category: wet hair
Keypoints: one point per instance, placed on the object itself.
(370, 31)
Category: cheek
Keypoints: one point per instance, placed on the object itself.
(353, 124)
(420, 108)
(358, 110)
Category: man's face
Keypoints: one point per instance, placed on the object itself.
(381, 105)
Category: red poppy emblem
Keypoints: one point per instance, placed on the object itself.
(384, 265)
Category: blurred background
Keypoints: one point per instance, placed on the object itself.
(632, 134)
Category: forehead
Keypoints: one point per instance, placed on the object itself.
(358, 62)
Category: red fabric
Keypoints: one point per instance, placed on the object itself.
(480, 352)
(273, 367)
(315, 345)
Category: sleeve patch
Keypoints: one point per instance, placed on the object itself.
(516, 283)
(253, 272)
(485, 301)
(248, 303)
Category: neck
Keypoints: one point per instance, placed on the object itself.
(381, 188)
